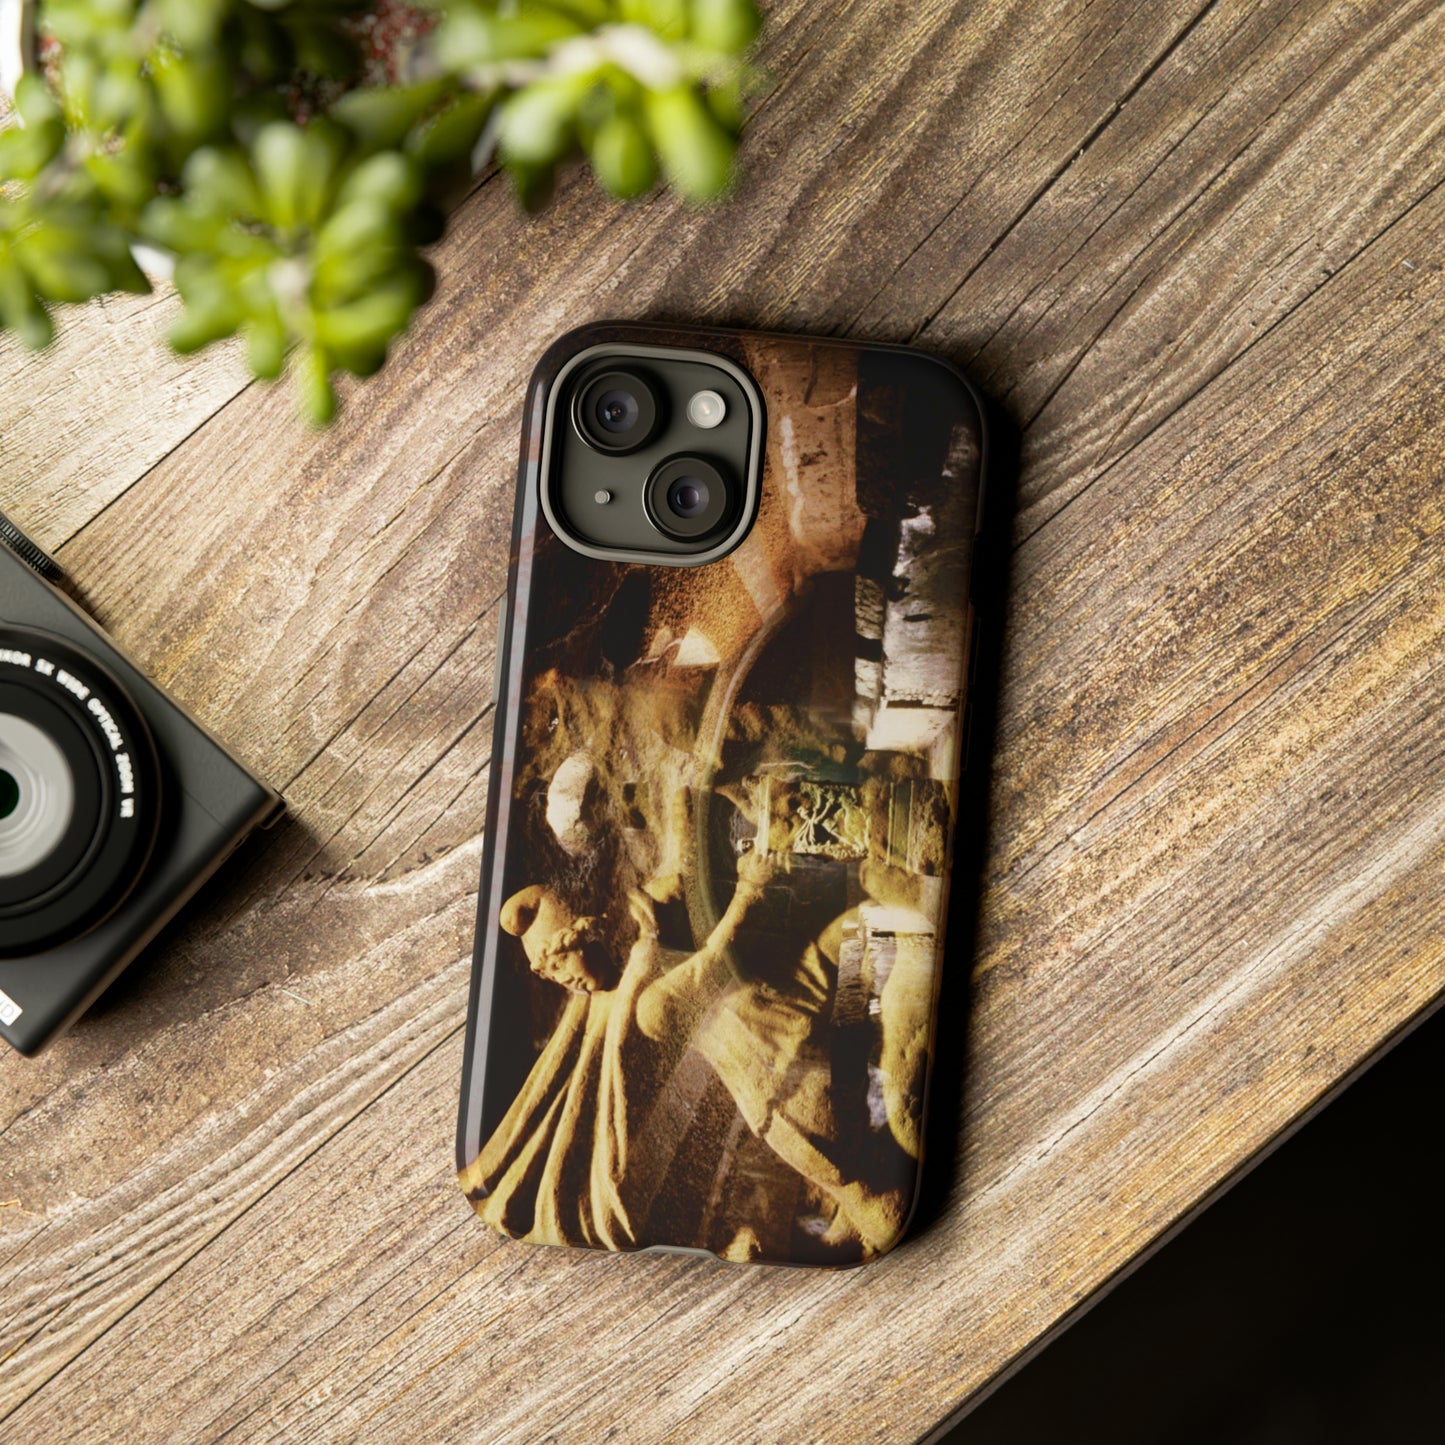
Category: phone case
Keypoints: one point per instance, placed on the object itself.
(710, 929)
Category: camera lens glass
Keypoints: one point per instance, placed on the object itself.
(37, 796)
(689, 499)
(616, 412)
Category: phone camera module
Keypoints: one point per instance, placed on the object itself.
(689, 499)
(616, 412)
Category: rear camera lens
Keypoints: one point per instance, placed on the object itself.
(9, 794)
(689, 500)
(616, 412)
(687, 497)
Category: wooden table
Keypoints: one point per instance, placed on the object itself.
(1198, 249)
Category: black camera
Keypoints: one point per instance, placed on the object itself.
(115, 806)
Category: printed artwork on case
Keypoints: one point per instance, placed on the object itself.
(726, 836)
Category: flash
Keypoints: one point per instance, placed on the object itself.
(707, 410)
(602, 496)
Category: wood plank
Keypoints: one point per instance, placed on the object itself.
(1216, 848)
(102, 405)
(1188, 230)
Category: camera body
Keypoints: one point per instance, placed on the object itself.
(115, 805)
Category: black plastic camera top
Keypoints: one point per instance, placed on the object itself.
(33, 555)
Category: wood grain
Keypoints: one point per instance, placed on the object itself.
(105, 402)
(1196, 246)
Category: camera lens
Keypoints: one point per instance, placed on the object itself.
(79, 793)
(689, 500)
(37, 795)
(687, 497)
(616, 412)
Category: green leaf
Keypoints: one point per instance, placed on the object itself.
(730, 26)
(728, 101)
(353, 235)
(532, 183)
(622, 157)
(468, 38)
(221, 182)
(252, 113)
(119, 95)
(358, 335)
(537, 123)
(390, 179)
(343, 275)
(667, 17)
(262, 47)
(265, 346)
(450, 137)
(26, 150)
(168, 221)
(296, 169)
(33, 101)
(193, 24)
(126, 177)
(318, 397)
(123, 272)
(586, 12)
(67, 274)
(696, 152)
(194, 92)
(295, 212)
(207, 318)
(21, 310)
(383, 116)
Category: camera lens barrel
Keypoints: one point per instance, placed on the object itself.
(79, 792)
(689, 499)
(616, 412)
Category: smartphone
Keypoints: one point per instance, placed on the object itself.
(732, 712)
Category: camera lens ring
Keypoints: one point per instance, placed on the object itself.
(49, 685)
(60, 851)
(689, 500)
(616, 412)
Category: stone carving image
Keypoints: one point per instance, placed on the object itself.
(729, 825)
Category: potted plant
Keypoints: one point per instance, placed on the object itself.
(287, 161)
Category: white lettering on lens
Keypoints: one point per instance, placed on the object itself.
(126, 771)
(97, 710)
(72, 685)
